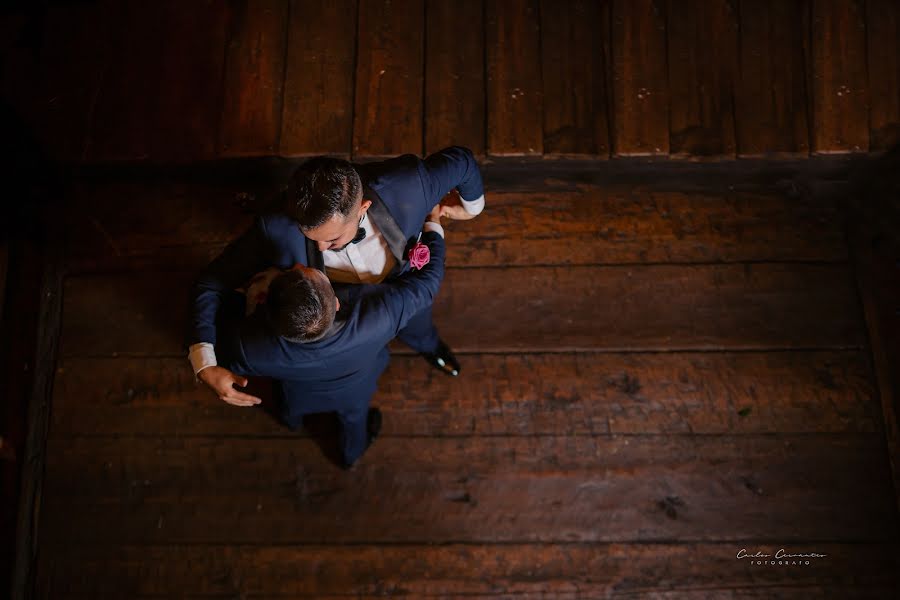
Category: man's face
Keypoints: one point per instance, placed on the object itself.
(338, 231)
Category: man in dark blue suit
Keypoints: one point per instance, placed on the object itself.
(328, 355)
(353, 222)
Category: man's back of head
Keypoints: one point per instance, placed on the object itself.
(301, 305)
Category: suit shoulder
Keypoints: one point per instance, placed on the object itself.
(375, 173)
(277, 225)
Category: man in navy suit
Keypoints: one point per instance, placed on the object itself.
(328, 355)
(353, 222)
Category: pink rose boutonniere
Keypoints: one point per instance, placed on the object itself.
(419, 255)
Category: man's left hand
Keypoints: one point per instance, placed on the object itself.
(452, 208)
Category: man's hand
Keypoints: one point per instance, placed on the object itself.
(452, 208)
(222, 381)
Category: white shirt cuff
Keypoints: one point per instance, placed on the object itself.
(435, 227)
(473, 207)
(202, 355)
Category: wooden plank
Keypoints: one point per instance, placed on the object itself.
(874, 216)
(883, 36)
(839, 90)
(189, 97)
(4, 270)
(793, 488)
(318, 89)
(574, 51)
(702, 45)
(563, 570)
(454, 75)
(640, 118)
(39, 391)
(185, 224)
(172, 221)
(514, 90)
(710, 307)
(562, 394)
(254, 78)
(389, 78)
(129, 93)
(18, 347)
(770, 90)
(75, 55)
(632, 225)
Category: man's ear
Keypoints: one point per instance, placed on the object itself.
(337, 304)
(364, 206)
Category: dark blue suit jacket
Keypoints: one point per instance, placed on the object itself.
(403, 191)
(340, 371)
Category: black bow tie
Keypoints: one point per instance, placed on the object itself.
(360, 236)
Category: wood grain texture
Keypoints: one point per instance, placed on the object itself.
(640, 90)
(186, 125)
(770, 85)
(514, 90)
(574, 52)
(178, 222)
(883, 37)
(800, 488)
(254, 78)
(317, 117)
(4, 270)
(454, 75)
(628, 225)
(839, 90)
(183, 224)
(690, 307)
(129, 92)
(535, 394)
(74, 58)
(702, 44)
(389, 78)
(519, 570)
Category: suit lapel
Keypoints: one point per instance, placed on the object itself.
(314, 258)
(390, 231)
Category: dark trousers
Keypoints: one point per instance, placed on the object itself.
(420, 334)
(354, 435)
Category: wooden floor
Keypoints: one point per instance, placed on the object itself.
(164, 81)
(663, 362)
(659, 369)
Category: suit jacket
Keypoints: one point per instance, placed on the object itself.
(341, 370)
(403, 191)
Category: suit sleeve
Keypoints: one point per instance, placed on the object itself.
(453, 167)
(409, 293)
(241, 259)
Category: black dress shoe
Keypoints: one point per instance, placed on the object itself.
(443, 360)
(373, 425)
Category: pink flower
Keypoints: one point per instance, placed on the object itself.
(419, 256)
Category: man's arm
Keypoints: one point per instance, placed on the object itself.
(243, 258)
(450, 168)
(410, 293)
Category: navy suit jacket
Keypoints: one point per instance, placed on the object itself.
(403, 191)
(340, 371)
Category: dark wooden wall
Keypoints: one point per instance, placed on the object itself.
(180, 81)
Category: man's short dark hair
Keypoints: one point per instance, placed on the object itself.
(300, 307)
(321, 188)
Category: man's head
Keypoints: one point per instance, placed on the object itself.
(301, 304)
(325, 198)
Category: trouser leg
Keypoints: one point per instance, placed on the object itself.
(420, 334)
(353, 438)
